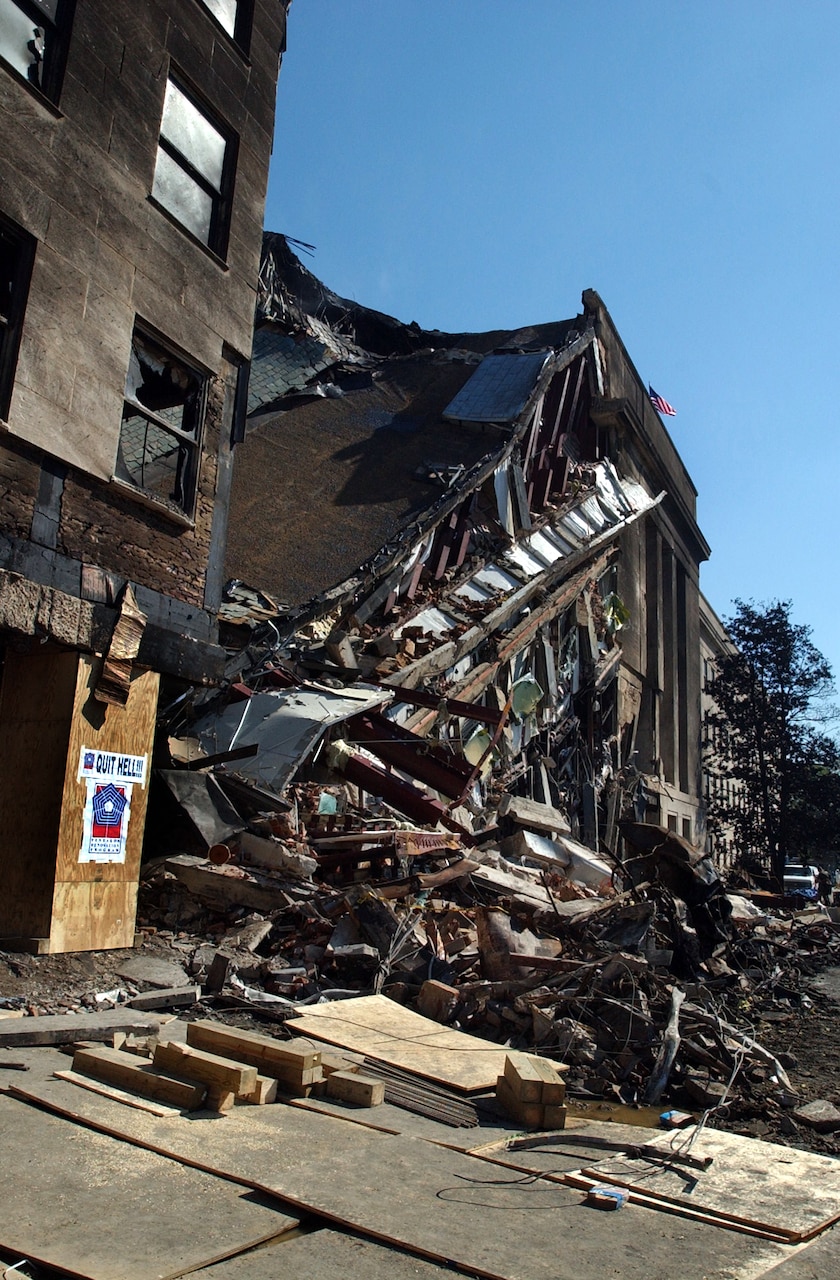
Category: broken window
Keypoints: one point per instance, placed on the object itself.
(17, 251)
(193, 170)
(33, 40)
(161, 424)
(233, 16)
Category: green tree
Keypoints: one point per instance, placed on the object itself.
(772, 699)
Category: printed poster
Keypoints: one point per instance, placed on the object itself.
(109, 779)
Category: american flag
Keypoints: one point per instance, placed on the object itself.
(660, 404)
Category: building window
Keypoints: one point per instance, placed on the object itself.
(194, 168)
(234, 17)
(161, 425)
(33, 40)
(17, 252)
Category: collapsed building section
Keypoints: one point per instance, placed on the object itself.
(487, 543)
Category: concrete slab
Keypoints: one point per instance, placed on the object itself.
(156, 970)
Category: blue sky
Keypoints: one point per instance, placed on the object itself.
(470, 164)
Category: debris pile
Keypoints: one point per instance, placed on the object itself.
(640, 973)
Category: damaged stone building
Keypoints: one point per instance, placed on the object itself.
(488, 540)
(133, 170)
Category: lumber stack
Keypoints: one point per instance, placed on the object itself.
(295, 1065)
(531, 1091)
(220, 1066)
(127, 1071)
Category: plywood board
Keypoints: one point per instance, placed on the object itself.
(102, 1209)
(47, 713)
(101, 916)
(118, 1095)
(784, 1190)
(380, 1028)
(429, 1200)
(68, 1028)
(326, 1255)
(390, 1118)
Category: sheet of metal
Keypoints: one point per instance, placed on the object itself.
(494, 577)
(543, 545)
(524, 559)
(286, 724)
(433, 621)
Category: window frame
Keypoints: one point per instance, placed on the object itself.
(191, 441)
(57, 30)
(11, 325)
(221, 200)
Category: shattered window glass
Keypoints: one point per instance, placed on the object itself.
(159, 438)
(17, 251)
(191, 176)
(31, 40)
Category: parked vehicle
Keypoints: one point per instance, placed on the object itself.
(801, 880)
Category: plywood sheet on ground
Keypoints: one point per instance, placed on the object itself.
(326, 1255)
(389, 1118)
(782, 1189)
(564, 1152)
(819, 1260)
(381, 1028)
(430, 1200)
(84, 1202)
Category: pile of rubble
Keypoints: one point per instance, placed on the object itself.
(641, 974)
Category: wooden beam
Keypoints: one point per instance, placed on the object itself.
(261, 1051)
(113, 1066)
(216, 1072)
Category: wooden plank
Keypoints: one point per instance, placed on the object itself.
(130, 1072)
(697, 1215)
(340, 1062)
(69, 1028)
(87, 1204)
(379, 1028)
(118, 1095)
(446, 1206)
(264, 1092)
(250, 1046)
(531, 1115)
(194, 1064)
(220, 891)
(523, 1078)
(352, 1086)
(169, 998)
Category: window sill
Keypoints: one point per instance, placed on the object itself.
(34, 92)
(185, 231)
(167, 510)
